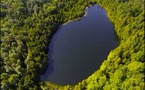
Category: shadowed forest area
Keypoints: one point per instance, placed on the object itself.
(28, 25)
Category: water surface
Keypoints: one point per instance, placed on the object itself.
(79, 47)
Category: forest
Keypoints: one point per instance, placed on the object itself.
(28, 25)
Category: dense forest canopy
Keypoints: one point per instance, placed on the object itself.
(27, 26)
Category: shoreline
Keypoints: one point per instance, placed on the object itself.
(85, 13)
(54, 30)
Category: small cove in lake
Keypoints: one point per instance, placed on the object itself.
(79, 47)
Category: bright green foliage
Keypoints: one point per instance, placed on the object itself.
(27, 26)
(124, 68)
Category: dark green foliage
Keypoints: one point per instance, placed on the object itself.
(124, 68)
(27, 26)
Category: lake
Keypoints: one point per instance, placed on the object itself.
(79, 47)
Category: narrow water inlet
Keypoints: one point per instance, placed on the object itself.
(79, 47)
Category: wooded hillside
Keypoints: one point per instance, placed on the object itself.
(27, 26)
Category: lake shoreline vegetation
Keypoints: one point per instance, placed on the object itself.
(77, 18)
(27, 27)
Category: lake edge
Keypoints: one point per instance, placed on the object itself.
(72, 20)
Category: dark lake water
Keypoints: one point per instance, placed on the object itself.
(79, 47)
